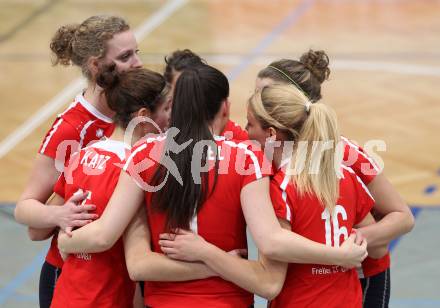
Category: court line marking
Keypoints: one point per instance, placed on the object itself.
(415, 211)
(287, 22)
(27, 20)
(23, 276)
(63, 97)
(335, 63)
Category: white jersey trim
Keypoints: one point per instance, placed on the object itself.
(92, 109)
(52, 132)
(354, 146)
(254, 158)
(117, 147)
(283, 187)
(359, 180)
(142, 147)
(82, 135)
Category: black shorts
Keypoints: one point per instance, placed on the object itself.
(376, 290)
(48, 279)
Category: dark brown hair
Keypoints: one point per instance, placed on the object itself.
(308, 73)
(129, 91)
(198, 96)
(180, 60)
(76, 43)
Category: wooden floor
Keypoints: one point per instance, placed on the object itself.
(385, 61)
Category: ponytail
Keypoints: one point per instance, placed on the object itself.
(288, 110)
(198, 96)
(320, 131)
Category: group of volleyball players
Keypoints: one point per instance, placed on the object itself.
(170, 205)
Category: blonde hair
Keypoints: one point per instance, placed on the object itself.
(286, 109)
(76, 43)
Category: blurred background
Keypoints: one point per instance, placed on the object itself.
(384, 84)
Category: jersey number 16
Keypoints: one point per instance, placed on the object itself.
(337, 231)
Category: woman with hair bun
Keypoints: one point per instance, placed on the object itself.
(101, 279)
(96, 41)
(307, 75)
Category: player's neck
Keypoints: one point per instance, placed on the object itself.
(93, 94)
(277, 157)
(217, 126)
(119, 134)
(281, 156)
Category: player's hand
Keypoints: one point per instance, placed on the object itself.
(352, 253)
(183, 245)
(360, 238)
(72, 215)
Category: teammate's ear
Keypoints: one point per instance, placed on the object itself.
(226, 107)
(272, 133)
(93, 65)
(143, 112)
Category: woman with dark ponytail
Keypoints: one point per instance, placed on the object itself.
(307, 75)
(96, 41)
(181, 60)
(191, 180)
(101, 279)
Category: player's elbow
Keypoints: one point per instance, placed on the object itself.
(271, 289)
(133, 273)
(377, 252)
(18, 215)
(409, 222)
(136, 272)
(37, 235)
(33, 236)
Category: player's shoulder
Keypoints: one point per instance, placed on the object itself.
(113, 148)
(233, 130)
(350, 178)
(81, 113)
(238, 144)
(145, 146)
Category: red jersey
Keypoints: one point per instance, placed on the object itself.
(220, 221)
(233, 131)
(313, 285)
(72, 130)
(94, 279)
(361, 163)
(366, 169)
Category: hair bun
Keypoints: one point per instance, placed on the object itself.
(108, 77)
(61, 44)
(317, 63)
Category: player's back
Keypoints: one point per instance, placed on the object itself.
(314, 285)
(220, 221)
(94, 279)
